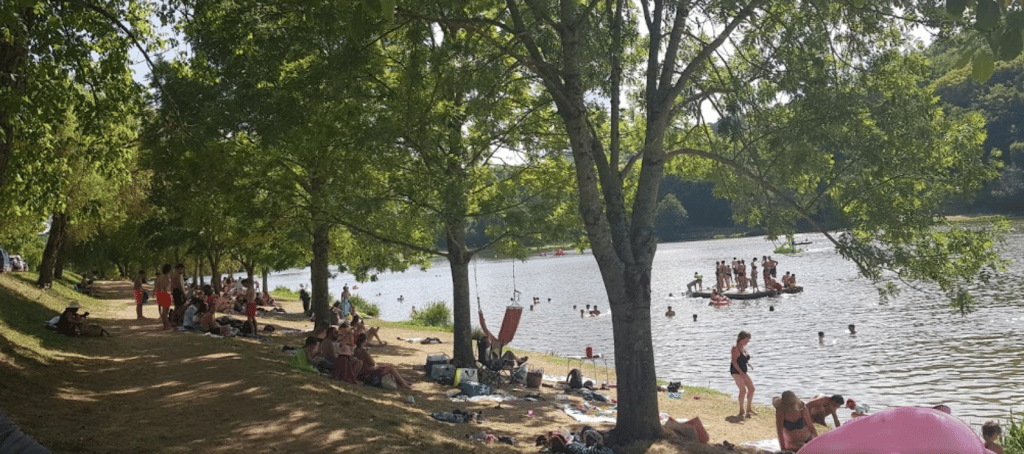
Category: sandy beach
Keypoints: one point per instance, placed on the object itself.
(145, 390)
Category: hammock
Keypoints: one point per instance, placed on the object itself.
(509, 324)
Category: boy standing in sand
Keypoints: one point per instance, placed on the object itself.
(140, 279)
(250, 304)
(162, 287)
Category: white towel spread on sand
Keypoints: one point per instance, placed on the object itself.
(579, 415)
(770, 445)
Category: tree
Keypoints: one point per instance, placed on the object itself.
(670, 218)
(457, 107)
(55, 56)
(998, 24)
(753, 55)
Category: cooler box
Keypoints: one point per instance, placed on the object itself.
(441, 372)
(473, 389)
(437, 358)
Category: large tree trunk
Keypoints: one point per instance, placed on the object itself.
(63, 253)
(265, 288)
(53, 245)
(214, 272)
(458, 258)
(319, 274)
(624, 256)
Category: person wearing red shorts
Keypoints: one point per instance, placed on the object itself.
(250, 304)
(140, 279)
(162, 287)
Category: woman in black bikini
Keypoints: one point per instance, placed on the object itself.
(738, 369)
(792, 422)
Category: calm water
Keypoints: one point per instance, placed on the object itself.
(912, 351)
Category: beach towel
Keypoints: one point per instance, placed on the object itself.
(590, 414)
(299, 361)
(770, 445)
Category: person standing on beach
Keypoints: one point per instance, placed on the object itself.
(162, 287)
(140, 279)
(305, 297)
(738, 368)
(250, 305)
(178, 286)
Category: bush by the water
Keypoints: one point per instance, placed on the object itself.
(364, 307)
(1012, 439)
(284, 292)
(434, 314)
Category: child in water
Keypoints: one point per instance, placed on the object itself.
(991, 432)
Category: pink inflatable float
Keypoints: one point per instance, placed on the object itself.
(900, 430)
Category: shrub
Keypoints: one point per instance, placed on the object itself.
(364, 307)
(477, 334)
(1012, 439)
(434, 314)
(284, 292)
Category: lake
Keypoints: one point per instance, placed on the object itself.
(912, 351)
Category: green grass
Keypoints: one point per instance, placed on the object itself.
(24, 308)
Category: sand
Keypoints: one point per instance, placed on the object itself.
(145, 390)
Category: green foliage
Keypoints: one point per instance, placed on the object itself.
(364, 307)
(1000, 24)
(1012, 438)
(670, 219)
(433, 314)
(285, 292)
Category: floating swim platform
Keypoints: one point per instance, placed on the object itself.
(748, 295)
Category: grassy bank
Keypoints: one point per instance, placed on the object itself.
(154, 391)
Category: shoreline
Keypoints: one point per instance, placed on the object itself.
(244, 389)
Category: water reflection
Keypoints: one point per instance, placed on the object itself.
(911, 351)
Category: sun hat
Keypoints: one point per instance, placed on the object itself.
(788, 402)
(73, 305)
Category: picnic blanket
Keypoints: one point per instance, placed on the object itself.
(587, 413)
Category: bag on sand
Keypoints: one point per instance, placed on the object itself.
(575, 379)
(388, 382)
(93, 330)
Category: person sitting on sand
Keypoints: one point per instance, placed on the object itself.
(371, 333)
(372, 372)
(70, 321)
(307, 358)
(792, 422)
(670, 312)
(991, 432)
(824, 406)
(497, 359)
(207, 319)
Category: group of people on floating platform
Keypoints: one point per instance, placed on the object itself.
(734, 275)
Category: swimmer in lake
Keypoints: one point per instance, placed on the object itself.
(853, 329)
(821, 337)
(670, 312)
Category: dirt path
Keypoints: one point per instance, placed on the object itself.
(145, 390)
